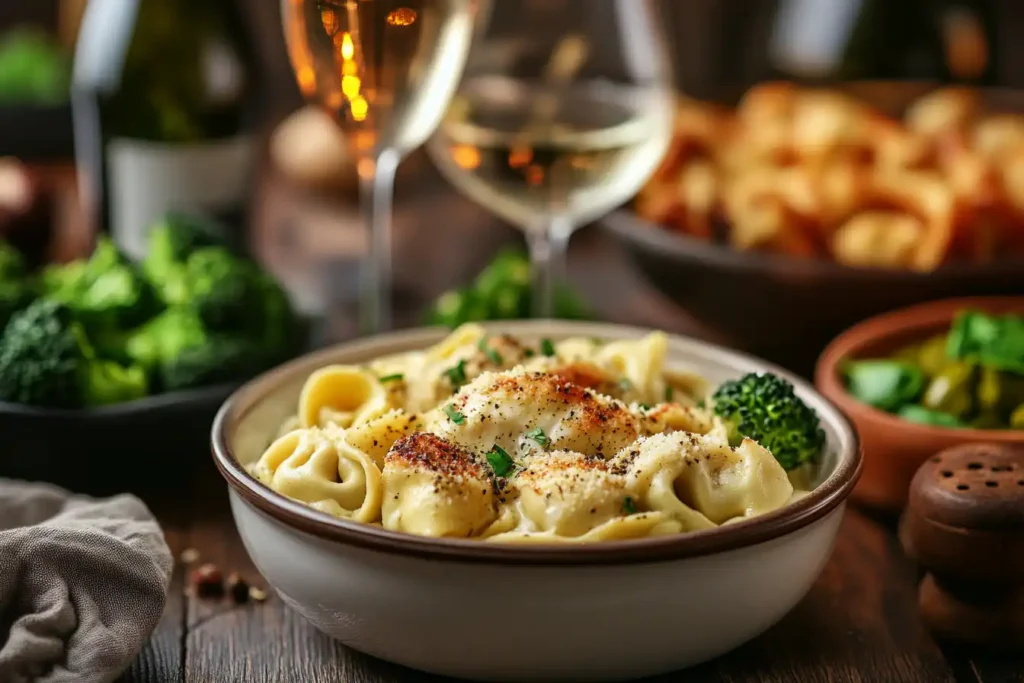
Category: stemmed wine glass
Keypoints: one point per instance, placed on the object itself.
(565, 109)
(385, 70)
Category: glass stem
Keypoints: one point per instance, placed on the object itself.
(377, 192)
(548, 246)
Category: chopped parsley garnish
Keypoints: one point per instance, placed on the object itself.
(500, 461)
(669, 393)
(457, 374)
(547, 348)
(629, 506)
(645, 406)
(397, 377)
(491, 354)
(456, 417)
(529, 353)
(538, 436)
(625, 384)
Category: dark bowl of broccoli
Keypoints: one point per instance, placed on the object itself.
(105, 362)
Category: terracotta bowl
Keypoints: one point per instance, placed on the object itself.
(895, 448)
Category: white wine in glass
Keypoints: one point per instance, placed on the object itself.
(385, 70)
(554, 131)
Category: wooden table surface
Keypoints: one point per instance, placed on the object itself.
(858, 623)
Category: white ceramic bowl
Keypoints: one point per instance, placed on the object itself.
(607, 611)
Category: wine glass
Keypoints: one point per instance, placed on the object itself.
(564, 111)
(385, 70)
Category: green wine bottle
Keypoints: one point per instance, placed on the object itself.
(926, 40)
(161, 99)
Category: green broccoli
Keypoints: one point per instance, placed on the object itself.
(14, 296)
(765, 408)
(220, 359)
(226, 291)
(46, 361)
(283, 332)
(105, 291)
(107, 382)
(12, 263)
(180, 353)
(502, 291)
(164, 337)
(42, 353)
(171, 242)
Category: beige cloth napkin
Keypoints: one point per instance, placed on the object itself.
(83, 583)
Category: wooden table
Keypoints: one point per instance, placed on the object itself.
(859, 622)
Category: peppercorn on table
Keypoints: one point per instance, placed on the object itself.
(860, 621)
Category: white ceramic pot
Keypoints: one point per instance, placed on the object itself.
(608, 611)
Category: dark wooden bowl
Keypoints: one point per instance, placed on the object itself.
(783, 309)
(138, 446)
(786, 309)
(142, 446)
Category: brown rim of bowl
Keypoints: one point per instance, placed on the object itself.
(878, 328)
(657, 239)
(825, 498)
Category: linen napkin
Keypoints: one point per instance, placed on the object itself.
(82, 584)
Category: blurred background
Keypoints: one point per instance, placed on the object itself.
(301, 199)
(806, 164)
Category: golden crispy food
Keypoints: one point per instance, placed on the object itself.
(816, 173)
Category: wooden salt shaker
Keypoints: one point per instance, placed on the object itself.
(964, 524)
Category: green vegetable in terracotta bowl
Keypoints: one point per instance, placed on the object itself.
(971, 376)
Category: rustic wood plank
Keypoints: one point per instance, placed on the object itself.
(972, 666)
(858, 624)
(258, 642)
(162, 659)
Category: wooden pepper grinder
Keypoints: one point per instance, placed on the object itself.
(964, 524)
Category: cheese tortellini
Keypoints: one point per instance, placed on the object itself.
(319, 467)
(520, 441)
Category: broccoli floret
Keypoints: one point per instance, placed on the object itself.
(164, 338)
(765, 408)
(105, 291)
(43, 352)
(179, 352)
(108, 382)
(284, 333)
(225, 290)
(221, 359)
(14, 296)
(46, 361)
(12, 263)
(233, 296)
(171, 242)
(502, 291)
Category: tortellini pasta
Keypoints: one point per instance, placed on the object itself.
(341, 395)
(435, 488)
(503, 409)
(318, 467)
(701, 481)
(514, 441)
